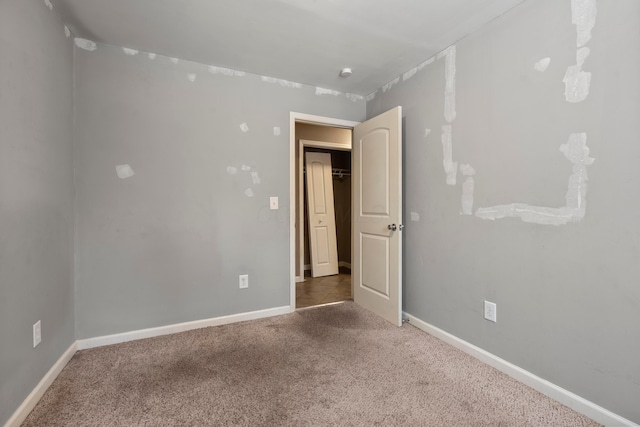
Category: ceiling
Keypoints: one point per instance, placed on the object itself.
(304, 41)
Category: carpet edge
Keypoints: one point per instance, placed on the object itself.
(549, 389)
(36, 394)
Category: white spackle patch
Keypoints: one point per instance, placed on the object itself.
(239, 73)
(467, 196)
(174, 60)
(467, 170)
(353, 97)
(152, 56)
(85, 44)
(415, 216)
(450, 167)
(245, 168)
(409, 74)
(244, 128)
(323, 91)
(220, 70)
(191, 77)
(124, 171)
(281, 82)
(577, 152)
(371, 96)
(583, 16)
(48, 4)
(450, 84)
(276, 131)
(576, 81)
(255, 178)
(248, 192)
(391, 84)
(67, 32)
(542, 65)
(130, 52)
(232, 170)
(427, 132)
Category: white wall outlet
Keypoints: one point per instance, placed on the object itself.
(243, 281)
(273, 203)
(490, 311)
(37, 333)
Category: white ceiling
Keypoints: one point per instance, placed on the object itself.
(305, 41)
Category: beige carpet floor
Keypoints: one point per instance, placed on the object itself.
(324, 366)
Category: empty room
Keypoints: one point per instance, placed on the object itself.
(301, 213)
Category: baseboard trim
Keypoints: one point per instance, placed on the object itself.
(36, 394)
(559, 394)
(344, 264)
(179, 327)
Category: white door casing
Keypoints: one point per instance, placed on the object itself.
(323, 246)
(377, 215)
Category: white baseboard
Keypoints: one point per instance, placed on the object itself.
(36, 394)
(567, 398)
(179, 327)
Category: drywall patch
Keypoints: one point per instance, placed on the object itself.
(152, 56)
(48, 4)
(85, 44)
(468, 187)
(174, 60)
(415, 216)
(427, 132)
(232, 170)
(391, 84)
(576, 81)
(281, 82)
(583, 16)
(67, 32)
(130, 52)
(577, 152)
(244, 127)
(191, 77)
(542, 65)
(353, 97)
(323, 91)
(255, 178)
(245, 168)
(449, 55)
(124, 171)
(371, 96)
(406, 76)
(248, 192)
(276, 131)
(450, 167)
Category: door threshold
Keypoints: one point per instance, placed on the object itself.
(324, 305)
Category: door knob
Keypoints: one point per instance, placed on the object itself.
(400, 227)
(392, 227)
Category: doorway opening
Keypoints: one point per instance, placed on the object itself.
(313, 134)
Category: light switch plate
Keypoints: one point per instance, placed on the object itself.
(273, 203)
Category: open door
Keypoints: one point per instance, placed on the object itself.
(323, 243)
(377, 215)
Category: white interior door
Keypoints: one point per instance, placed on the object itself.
(377, 215)
(323, 245)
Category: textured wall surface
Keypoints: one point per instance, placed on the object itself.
(36, 196)
(167, 244)
(568, 295)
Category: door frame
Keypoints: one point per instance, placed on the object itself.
(315, 120)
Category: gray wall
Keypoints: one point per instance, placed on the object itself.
(568, 299)
(36, 196)
(167, 244)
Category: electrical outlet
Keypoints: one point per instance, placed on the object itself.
(37, 334)
(243, 281)
(490, 309)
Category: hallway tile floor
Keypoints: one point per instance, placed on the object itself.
(323, 290)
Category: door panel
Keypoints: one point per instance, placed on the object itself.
(323, 243)
(377, 200)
